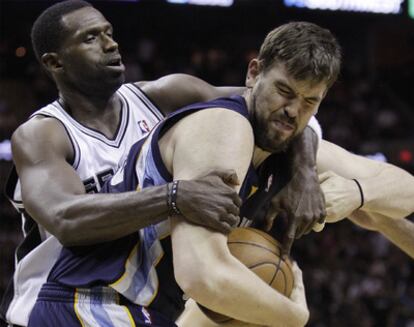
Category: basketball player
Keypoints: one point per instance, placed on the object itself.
(72, 146)
(146, 275)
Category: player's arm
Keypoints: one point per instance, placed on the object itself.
(302, 198)
(175, 91)
(387, 189)
(55, 197)
(399, 231)
(203, 265)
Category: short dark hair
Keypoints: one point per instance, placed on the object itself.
(308, 51)
(47, 31)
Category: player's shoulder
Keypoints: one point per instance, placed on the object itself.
(217, 124)
(39, 126)
(41, 131)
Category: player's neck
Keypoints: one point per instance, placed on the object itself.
(259, 156)
(99, 114)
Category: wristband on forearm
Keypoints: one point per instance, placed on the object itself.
(360, 192)
(172, 189)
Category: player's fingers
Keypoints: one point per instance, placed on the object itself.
(318, 227)
(269, 219)
(322, 217)
(233, 209)
(230, 219)
(237, 200)
(229, 176)
(289, 239)
(324, 176)
(221, 226)
(304, 227)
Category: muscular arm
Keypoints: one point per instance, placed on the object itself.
(399, 231)
(203, 265)
(54, 195)
(388, 190)
(175, 91)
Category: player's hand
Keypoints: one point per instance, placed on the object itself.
(211, 201)
(341, 195)
(303, 203)
(298, 294)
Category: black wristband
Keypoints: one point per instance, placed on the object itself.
(360, 192)
(172, 199)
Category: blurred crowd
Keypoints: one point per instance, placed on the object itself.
(352, 277)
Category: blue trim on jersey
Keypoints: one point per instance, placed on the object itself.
(145, 255)
(98, 312)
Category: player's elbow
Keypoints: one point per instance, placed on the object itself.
(203, 282)
(62, 229)
(66, 229)
(192, 279)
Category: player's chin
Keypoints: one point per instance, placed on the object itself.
(116, 80)
(279, 143)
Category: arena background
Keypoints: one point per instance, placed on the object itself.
(353, 277)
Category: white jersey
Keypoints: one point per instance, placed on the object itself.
(96, 158)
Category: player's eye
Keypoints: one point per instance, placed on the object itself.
(285, 92)
(90, 38)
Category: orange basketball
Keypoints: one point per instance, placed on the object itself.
(261, 253)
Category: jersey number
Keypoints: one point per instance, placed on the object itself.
(90, 184)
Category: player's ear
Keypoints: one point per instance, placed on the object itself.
(51, 62)
(253, 71)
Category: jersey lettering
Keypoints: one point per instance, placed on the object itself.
(91, 184)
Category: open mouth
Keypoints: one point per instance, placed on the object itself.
(116, 62)
(283, 125)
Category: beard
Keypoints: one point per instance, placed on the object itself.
(266, 139)
(270, 143)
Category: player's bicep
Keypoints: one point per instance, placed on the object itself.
(40, 150)
(196, 249)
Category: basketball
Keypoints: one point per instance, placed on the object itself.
(261, 253)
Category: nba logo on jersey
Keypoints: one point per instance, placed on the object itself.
(269, 183)
(144, 126)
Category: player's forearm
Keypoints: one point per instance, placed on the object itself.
(390, 192)
(207, 272)
(398, 231)
(304, 149)
(233, 290)
(94, 218)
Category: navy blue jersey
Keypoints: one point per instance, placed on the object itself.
(139, 266)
